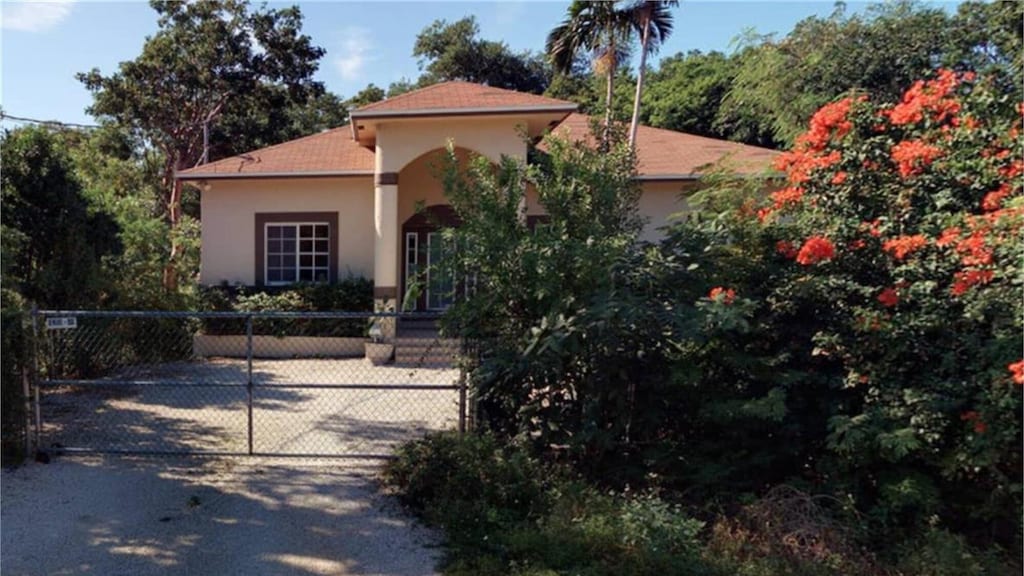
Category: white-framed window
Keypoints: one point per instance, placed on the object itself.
(296, 252)
(412, 261)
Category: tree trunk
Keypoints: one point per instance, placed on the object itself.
(609, 92)
(170, 279)
(639, 83)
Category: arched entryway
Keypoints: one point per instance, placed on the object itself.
(423, 249)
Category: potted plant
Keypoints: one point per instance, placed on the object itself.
(378, 352)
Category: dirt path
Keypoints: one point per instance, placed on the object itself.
(131, 516)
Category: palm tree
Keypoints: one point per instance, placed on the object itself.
(653, 22)
(602, 29)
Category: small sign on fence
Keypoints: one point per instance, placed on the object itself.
(61, 323)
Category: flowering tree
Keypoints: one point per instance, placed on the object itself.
(882, 287)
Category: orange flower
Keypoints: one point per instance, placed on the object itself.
(973, 250)
(830, 121)
(889, 298)
(931, 99)
(901, 246)
(799, 163)
(1015, 169)
(815, 249)
(872, 227)
(994, 199)
(786, 196)
(949, 236)
(912, 156)
(965, 279)
(786, 248)
(1017, 370)
(723, 295)
(839, 178)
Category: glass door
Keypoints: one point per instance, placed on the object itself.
(440, 284)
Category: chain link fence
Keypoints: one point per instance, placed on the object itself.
(263, 383)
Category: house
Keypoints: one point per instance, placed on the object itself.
(345, 201)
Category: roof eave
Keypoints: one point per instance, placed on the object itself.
(244, 175)
(480, 111)
(667, 177)
(697, 176)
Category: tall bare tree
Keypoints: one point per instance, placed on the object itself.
(653, 22)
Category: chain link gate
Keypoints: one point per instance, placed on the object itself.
(226, 383)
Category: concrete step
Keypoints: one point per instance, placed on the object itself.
(426, 342)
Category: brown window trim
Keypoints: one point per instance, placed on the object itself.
(264, 218)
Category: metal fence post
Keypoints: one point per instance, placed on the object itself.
(35, 377)
(248, 384)
(462, 400)
(26, 392)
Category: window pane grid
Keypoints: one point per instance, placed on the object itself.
(297, 252)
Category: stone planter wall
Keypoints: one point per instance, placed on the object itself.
(234, 346)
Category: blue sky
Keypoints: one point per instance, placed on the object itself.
(44, 44)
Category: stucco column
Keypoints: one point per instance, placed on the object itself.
(385, 247)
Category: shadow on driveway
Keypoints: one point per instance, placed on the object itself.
(135, 516)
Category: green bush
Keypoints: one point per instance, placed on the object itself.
(349, 295)
(15, 361)
(504, 512)
(468, 482)
(871, 348)
(941, 553)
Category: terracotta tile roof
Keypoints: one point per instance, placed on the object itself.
(325, 153)
(454, 96)
(666, 153)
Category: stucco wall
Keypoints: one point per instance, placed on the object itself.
(228, 222)
(403, 141)
(658, 202)
(418, 183)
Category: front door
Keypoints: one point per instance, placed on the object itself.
(440, 284)
(424, 285)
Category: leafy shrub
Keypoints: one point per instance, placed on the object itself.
(504, 512)
(349, 295)
(15, 361)
(565, 316)
(941, 553)
(873, 343)
(468, 482)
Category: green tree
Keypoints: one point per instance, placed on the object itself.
(400, 86)
(207, 59)
(372, 93)
(53, 239)
(686, 91)
(272, 115)
(881, 52)
(454, 51)
(602, 29)
(653, 22)
(121, 177)
(987, 37)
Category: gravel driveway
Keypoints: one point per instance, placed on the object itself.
(286, 419)
(116, 516)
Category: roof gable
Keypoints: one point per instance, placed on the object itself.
(461, 98)
(328, 153)
(670, 155)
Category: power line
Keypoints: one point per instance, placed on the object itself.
(6, 116)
